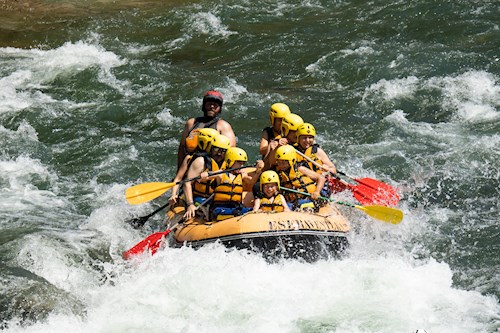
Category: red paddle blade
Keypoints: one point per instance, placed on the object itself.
(151, 243)
(336, 185)
(370, 191)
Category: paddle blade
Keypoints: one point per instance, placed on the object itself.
(383, 213)
(371, 191)
(138, 222)
(336, 185)
(151, 243)
(145, 192)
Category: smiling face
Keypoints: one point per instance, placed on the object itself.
(270, 189)
(306, 141)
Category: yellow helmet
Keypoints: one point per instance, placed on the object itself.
(205, 136)
(220, 141)
(291, 122)
(306, 129)
(287, 153)
(267, 177)
(278, 110)
(235, 154)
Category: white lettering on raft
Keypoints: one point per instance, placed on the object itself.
(297, 224)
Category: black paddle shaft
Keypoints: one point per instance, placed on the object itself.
(140, 221)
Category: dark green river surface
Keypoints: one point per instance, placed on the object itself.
(94, 95)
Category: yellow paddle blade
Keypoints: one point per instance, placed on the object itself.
(145, 192)
(383, 213)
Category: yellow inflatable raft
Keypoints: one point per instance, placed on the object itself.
(309, 236)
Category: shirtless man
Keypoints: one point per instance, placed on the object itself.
(212, 108)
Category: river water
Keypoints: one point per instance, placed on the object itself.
(94, 94)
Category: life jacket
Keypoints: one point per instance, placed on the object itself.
(311, 153)
(271, 135)
(204, 189)
(273, 204)
(192, 136)
(229, 190)
(295, 180)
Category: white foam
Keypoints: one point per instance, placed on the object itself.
(323, 69)
(473, 96)
(52, 258)
(452, 137)
(20, 170)
(24, 131)
(316, 66)
(167, 119)
(392, 89)
(362, 50)
(31, 70)
(21, 194)
(233, 90)
(207, 23)
(211, 290)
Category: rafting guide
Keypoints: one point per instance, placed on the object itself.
(212, 109)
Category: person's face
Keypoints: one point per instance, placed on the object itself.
(306, 141)
(212, 108)
(277, 123)
(283, 165)
(218, 154)
(237, 164)
(270, 189)
(292, 136)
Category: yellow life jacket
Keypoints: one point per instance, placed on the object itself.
(295, 180)
(273, 204)
(311, 153)
(229, 190)
(205, 189)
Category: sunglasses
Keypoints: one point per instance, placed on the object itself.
(217, 150)
(212, 101)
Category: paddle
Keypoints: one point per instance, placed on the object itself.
(153, 242)
(382, 213)
(372, 190)
(140, 221)
(148, 191)
(368, 191)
